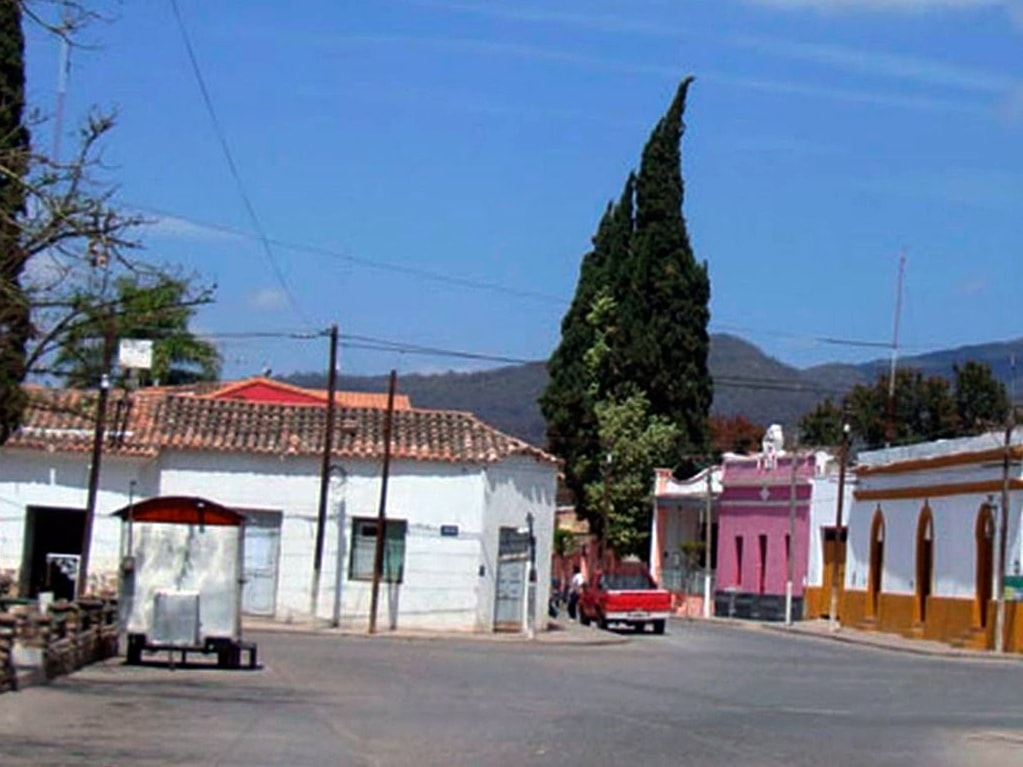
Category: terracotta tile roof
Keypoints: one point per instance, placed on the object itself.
(65, 420)
(155, 421)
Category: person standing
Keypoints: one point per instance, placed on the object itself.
(575, 589)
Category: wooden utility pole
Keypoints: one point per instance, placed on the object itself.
(839, 550)
(328, 448)
(99, 430)
(378, 556)
(1003, 529)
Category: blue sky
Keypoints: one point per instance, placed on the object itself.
(430, 172)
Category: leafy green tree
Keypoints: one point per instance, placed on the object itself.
(633, 440)
(924, 408)
(822, 426)
(15, 316)
(982, 402)
(159, 310)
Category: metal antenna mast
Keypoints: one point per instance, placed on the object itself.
(890, 419)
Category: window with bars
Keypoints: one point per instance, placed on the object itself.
(364, 541)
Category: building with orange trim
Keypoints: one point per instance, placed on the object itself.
(922, 556)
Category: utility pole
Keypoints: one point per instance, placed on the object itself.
(708, 552)
(843, 459)
(378, 556)
(1003, 525)
(792, 541)
(328, 447)
(99, 428)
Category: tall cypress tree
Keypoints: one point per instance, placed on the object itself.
(566, 404)
(665, 305)
(15, 322)
(640, 309)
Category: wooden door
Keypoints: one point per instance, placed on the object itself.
(834, 548)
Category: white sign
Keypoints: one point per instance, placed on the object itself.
(135, 353)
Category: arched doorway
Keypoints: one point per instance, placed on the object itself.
(924, 561)
(876, 561)
(984, 534)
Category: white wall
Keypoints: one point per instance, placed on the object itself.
(442, 587)
(514, 488)
(439, 588)
(823, 508)
(38, 478)
(288, 484)
(955, 518)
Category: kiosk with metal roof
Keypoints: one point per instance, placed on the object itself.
(181, 579)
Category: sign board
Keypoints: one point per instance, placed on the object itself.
(135, 353)
(449, 531)
(1014, 587)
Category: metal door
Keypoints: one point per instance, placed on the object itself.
(512, 560)
(262, 546)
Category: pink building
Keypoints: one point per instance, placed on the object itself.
(764, 520)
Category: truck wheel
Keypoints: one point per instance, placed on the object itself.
(658, 627)
(133, 655)
(583, 617)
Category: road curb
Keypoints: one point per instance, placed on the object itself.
(556, 635)
(876, 641)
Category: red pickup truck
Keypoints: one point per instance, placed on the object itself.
(627, 596)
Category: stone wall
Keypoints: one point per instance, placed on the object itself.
(35, 646)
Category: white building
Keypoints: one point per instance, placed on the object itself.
(923, 532)
(459, 498)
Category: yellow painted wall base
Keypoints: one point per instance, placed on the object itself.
(946, 619)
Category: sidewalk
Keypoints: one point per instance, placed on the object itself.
(820, 629)
(558, 631)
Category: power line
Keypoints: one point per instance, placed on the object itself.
(320, 250)
(225, 147)
(440, 277)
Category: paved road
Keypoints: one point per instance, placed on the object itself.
(702, 695)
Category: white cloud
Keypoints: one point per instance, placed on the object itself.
(269, 300)
(882, 5)
(1014, 8)
(174, 228)
(978, 188)
(973, 287)
(1011, 107)
(917, 103)
(886, 65)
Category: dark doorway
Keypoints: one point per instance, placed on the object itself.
(53, 545)
(924, 561)
(762, 572)
(985, 539)
(876, 561)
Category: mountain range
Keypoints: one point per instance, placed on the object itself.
(747, 382)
